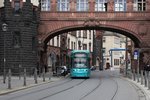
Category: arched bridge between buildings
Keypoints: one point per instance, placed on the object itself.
(134, 25)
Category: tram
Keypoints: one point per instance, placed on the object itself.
(80, 64)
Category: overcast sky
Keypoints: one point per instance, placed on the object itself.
(35, 2)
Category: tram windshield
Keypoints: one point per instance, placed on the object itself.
(80, 62)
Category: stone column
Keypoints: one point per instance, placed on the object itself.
(130, 5)
(73, 5)
(91, 5)
(110, 6)
(54, 5)
(147, 5)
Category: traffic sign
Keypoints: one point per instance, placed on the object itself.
(136, 53)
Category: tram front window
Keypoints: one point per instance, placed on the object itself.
(80, 63)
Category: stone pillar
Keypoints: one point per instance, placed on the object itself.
(73, 5)
(91, 5)
(130, 5)
(54, 5)
(110, 6)
(148, 5)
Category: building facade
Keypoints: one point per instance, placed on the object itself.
(18, 49)
(63, 44)
(114, 49)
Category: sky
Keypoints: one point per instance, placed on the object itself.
(35, 2)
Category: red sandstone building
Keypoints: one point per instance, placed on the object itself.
(127, 17)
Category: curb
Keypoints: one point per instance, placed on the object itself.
(147, 95)
(3, 92)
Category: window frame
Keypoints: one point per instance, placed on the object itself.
(101, 5)
(61, 3)
(47, 5)
(118, 3)
(82, 5)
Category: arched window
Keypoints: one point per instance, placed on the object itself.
(63, 5)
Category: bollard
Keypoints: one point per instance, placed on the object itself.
(134, 74)
(9, 79)
(19, 73)
(148, 80)
(49, 74)
(145, 78)
(4, 76)
(142, 77)
(24, 75)
(138, 76)
(35, 76)
(43, 74)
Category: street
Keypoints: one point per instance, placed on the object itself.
(102, 85)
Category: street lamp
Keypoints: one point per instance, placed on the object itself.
(4, 29)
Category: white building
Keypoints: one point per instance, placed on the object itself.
(83, 40)
(75, 40)
(113, 49)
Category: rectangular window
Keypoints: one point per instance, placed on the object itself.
(120, 5)
(79, 45)
(84, 34)
(63, 5)
(82, 5)
(84, 46)
(68, 43)
(79, 34)
(71, 45)
(139, 5)
(101, 5)
(89, 46)
(89, 34)
(17, 6)
(45, 5)
(74, 45)
(116, 61)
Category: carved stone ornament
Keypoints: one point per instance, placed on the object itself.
(91, 22)
(142, 29)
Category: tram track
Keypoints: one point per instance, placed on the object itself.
(97, 86)
(39, 90)
(62, 90)
(116, 91)
(90, 92)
